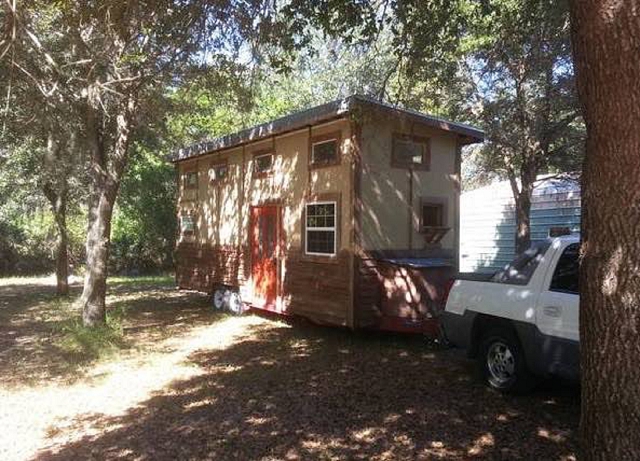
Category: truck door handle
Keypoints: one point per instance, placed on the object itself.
(552, 311)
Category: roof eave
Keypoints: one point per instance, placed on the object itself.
(332, 110)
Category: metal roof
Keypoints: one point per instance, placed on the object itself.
(325, 112)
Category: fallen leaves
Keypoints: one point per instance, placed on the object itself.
(248, 388)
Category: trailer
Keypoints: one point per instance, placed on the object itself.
(346, 213)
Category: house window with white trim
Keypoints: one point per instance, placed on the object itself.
(321, 228)
(187, 225)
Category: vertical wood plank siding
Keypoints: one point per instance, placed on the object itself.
(320, 291)
(368, 291)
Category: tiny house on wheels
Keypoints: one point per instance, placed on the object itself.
(346, 214)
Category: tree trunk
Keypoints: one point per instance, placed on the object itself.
(606, 43)
(62, 251)
(97, 246)
(55, 187)
(523, 221)
(108, 162)
(522, 194)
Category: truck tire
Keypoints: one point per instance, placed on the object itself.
(502, 363)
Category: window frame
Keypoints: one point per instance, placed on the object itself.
(322, 139)
(426, 152)
(213, 167)
(441, 212)
(263, 153)
(334, 229)
(186, 176)
(553, 289)
(188, 233)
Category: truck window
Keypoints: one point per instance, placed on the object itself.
(520, 270)
(566, 276)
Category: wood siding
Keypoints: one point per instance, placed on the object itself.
(318, 290)
(202, 267)
(397, 297)
(317, 287)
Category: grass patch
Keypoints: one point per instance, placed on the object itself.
(82, 344)
(147, 280)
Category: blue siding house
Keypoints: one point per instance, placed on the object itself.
(487, 220)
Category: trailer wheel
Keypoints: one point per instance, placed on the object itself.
(219, 298)
(234, 303)
(502, 363)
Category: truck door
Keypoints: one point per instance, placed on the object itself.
(558, 306)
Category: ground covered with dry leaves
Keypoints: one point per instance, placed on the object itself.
(183, 382)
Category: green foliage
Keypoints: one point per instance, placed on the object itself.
(142, 281)
(27, 228)
(85, 344)
(144, 223)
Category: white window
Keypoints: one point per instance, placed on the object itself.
(187, 225)
(320, 228)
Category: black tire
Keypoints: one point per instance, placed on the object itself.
(502, 363)
(218, 299)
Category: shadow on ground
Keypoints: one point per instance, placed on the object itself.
(31, 317)
(305, 392)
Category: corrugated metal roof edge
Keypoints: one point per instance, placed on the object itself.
(334, 109)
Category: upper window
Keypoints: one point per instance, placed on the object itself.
(263, 163)
(432, 215)
(566, 276)
(324, 151)
(410, 151)
(191, 180)
(187, 225)
(320, 237)
(219, 172)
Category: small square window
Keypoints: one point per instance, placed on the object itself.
(191, 180)
(410, 151)
(219, 173)
(324, 152)
(432, 215)
(187, 225)
(263, 163)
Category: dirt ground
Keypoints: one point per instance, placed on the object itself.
(188, 383)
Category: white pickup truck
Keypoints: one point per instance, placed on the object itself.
(522, 321)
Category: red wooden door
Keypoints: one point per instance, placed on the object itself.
(264, 255)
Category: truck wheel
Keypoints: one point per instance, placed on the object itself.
(502, 363)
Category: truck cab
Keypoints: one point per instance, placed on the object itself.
(523, 321)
